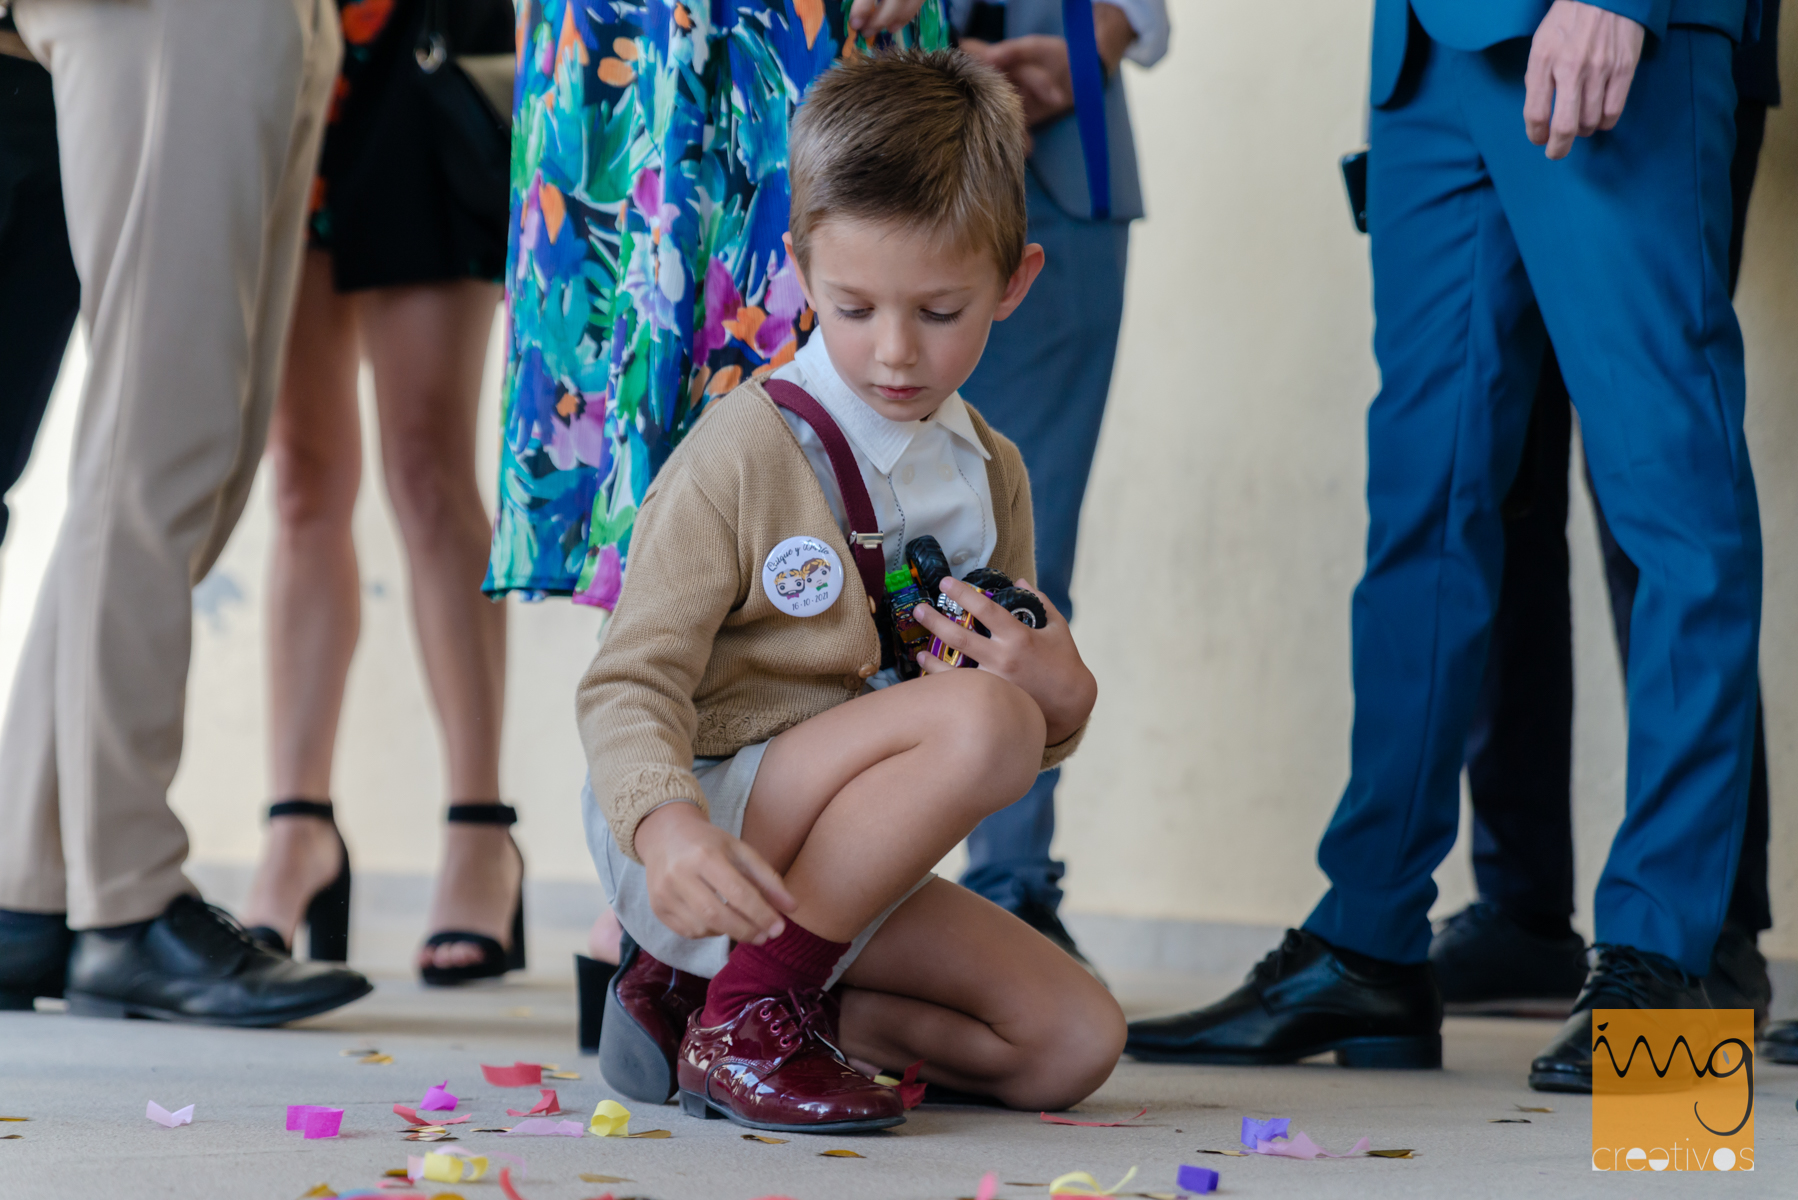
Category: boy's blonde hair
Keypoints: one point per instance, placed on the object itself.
(933, 141)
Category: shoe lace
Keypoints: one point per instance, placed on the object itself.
(1626, 971)
(231, 926)
(1269, 968)
(799, 1017)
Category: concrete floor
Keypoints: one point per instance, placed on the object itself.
(84, 1083)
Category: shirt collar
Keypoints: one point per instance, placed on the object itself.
(881, 440)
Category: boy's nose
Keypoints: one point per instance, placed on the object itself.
(894, 347)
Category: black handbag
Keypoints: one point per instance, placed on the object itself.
(463, 75)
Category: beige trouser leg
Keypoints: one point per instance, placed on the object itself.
(189, 133)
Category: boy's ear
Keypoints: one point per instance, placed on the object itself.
(805, 286)
(1018, 286)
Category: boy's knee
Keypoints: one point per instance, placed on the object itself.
(995, 724)
(1076, 1050)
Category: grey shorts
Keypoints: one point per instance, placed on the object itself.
(727, 783)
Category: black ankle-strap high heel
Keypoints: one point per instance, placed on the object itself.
(495, 959)
(328, 912)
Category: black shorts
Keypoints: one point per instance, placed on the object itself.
(412, 180)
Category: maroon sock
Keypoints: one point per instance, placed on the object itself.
(795, 961)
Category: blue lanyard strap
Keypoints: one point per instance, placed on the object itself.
(1089, 101)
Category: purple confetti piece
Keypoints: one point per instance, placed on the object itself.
(1196, 1179)
(1255, 1132)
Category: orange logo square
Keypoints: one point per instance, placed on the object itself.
(1672, 1089)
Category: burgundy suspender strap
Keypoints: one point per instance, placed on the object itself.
(865, 537)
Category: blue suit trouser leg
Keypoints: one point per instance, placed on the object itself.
(1624, 247)
(1043, 382)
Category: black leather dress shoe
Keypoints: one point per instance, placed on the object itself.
(1487, 962)
(1307, 998)
(1622, 977)
(194, 963)
(34, 954)
(1779, 1042)
(1738, 976)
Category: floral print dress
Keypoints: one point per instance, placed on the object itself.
(645, 270)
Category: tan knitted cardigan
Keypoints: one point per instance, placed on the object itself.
(696, 660)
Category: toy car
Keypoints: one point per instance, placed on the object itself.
(922, 578)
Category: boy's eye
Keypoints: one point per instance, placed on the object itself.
(853, 314)
(942, 318)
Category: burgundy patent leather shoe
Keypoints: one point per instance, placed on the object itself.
(774, 1067)
(647, 1006)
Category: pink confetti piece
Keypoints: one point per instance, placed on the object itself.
(989, 1187)
(167, 1119)
(544, 1127)
(1055, 1120)
(315, 1120)
(411, 1114)
(1301, 1146)
(437, 1099)
(547, 1106)
(517, 1075)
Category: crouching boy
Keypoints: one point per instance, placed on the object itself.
(768, 796)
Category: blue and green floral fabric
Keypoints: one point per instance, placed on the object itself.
(645, 272)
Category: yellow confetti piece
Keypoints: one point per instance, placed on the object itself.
(1081, 1183)
(449, 1168)
(12, 1137)
(756, 1137)
(375, 1060)
(15, 1118)
(446, 1196)
(397, 1173)
(651, 1133)
(610, 1119)
(550, 1074)
(591, 1178)
(886, 1081)
(840, 1154)
(319, 1191)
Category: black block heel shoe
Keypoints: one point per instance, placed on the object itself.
(590, 979)
(495, 959)
(328, 912)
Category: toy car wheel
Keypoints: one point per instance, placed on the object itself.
(1023, 605)
(987, 579)
(927, 561)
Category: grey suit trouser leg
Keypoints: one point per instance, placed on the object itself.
(189, 136)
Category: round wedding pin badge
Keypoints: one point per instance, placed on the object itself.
(802, 576)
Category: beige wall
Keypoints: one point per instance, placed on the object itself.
(1222, 537)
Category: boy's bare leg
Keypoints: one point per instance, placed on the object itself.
(991, 1005)
(857, 804)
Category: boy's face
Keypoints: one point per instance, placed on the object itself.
(904, 318)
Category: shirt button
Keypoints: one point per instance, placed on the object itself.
(867, 670)
(907, 475)
(853, 683)
(945, 470)
(962, 556)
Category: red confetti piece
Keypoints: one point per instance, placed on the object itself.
(505, 1182)
(1094, 1124)
(517, 1075)
(547, 1106)
(911, 1092)
(408, 1113)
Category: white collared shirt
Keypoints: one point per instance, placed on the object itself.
(923, 477)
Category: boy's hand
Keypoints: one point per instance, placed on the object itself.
(869, 17)
(1044, 662)
(704, 882)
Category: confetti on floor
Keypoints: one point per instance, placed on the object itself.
(1059, 1120)
(1526, 1108)
(652, 1134)
(756, 1137)
(587, 1177)
(167, 1119)
(840, 1154)
(520, 1074)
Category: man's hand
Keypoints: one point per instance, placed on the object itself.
(1582, 60)
(1037, 64)
(869, 17)
(704, 882)
(1044, 662)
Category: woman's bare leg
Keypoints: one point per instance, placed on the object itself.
(989, 1004)
(315, 444)
(427, 345)
(857, 804)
